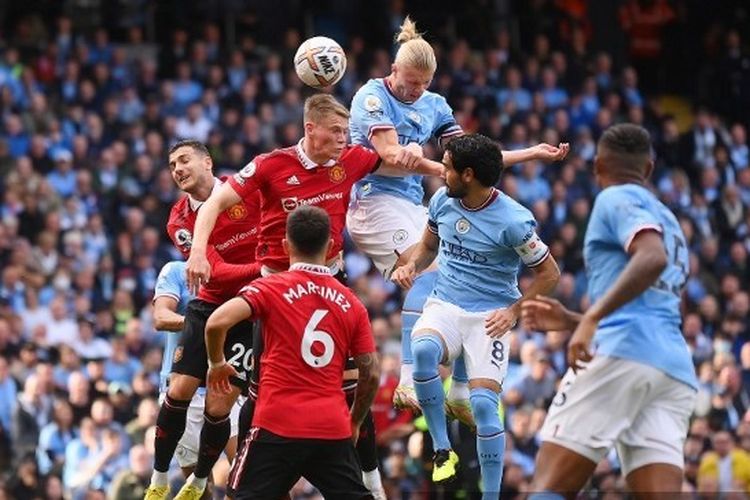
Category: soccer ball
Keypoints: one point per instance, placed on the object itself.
(320, 62)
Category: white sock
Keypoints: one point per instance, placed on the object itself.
(159, 478)
(407, 375)
(459, 390)
(198, 482)
(372, 480)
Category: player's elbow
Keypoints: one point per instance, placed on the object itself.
(215, 325)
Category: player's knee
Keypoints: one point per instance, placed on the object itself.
(220, 404)
(182, 387)
(484, 407)
(427, 351)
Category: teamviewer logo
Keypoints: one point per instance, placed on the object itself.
(289, 204)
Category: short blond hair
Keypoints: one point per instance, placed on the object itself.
(414, 51)
(321, 105)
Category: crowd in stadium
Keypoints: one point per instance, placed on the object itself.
(88, 113)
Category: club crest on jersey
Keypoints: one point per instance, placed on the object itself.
(237, 212)
(337, 173)
(177, 355)
(400, 236)
(289, 204)
(462, 226)
(184, 238)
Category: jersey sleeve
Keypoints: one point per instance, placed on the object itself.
(521, 235)
(445, 123)
(370, 111)
(362, 340)
(363, 160)
(181, 237)
(432, 210)
(222, 271)
(255, 294)
(625, 214)
(170, 281)
(249, 179)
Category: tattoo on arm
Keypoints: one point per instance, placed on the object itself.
(367, 385)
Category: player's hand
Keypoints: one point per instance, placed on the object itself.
(404, 275)
(543, 314)
(409, 156)
(548, 153)
(355, 433)
(500, 321)
(218, 378)
(579, 348)
(198, 271)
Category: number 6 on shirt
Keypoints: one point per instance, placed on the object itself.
(311, 336)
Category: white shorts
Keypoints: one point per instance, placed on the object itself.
(384, 226)
(633, 406)
(464, 332)
(186, 452)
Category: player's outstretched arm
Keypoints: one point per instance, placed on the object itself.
(398, 160)
(221, 270)
(648, 258)
(221, 320)
(367, 385)
(422, 256)
(198, 268)
(546, 276)
(542, 152)
(166, 318)
(543, 314)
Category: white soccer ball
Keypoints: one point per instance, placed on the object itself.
(320, 61)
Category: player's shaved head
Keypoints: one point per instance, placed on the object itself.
(625, 149)
(308, 230)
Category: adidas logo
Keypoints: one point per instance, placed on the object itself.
(293, 181)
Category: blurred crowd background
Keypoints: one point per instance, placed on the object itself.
(93, 92)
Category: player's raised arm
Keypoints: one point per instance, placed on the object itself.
(221, 320)
(198, 268)
(542, 152)
(399, 160)
(422, 256)
(166, 317)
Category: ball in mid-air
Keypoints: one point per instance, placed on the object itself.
(320, 61)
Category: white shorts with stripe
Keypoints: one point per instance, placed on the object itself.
(635, 407)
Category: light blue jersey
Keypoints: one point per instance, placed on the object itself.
(374, 107)
(172, 283)
(481, 250)
(647, 329)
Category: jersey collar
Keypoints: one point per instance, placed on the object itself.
(306, 161)
(196, 204)
(310, 268)
(492, 197)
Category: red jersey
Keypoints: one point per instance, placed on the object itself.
(287, 178)
(232, 241)
(311, 325)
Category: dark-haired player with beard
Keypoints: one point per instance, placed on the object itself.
(231, 250)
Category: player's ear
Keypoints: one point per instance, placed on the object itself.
(329, 246)
(285, 245)
(309, 126)
(649, 169)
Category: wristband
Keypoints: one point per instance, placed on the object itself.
(218, 364)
